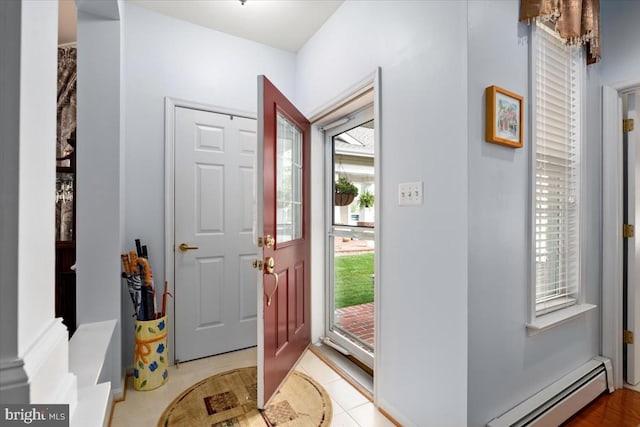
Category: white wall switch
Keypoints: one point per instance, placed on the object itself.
(410, 193)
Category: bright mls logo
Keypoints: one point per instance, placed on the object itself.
(36, 415)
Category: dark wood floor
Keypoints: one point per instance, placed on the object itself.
(619, 409)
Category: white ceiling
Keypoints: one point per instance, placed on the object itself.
(283, 24)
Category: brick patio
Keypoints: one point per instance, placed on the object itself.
(352, 247)
(357, 320)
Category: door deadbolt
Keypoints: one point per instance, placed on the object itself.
(267, 241)
(269, 265)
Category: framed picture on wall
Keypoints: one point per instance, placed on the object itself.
(504, 117)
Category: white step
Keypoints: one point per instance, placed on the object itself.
(87, 351)
(92, 406)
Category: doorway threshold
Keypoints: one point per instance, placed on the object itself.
(346, 368)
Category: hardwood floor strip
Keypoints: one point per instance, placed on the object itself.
(619, 409)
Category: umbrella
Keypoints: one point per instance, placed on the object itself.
(148, 291)
(137, 272)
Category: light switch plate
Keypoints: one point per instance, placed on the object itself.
(410, 193)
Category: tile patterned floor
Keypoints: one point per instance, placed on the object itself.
(357, 320)
(142, 409)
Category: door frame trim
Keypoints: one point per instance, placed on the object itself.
(327, 113)
(170, 105)
(612, 206)
(632, 309)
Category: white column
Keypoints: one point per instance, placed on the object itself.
(34, 350)
(13, 379)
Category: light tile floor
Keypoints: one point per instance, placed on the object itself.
(143, 408)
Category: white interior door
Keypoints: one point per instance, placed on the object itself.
(633, 245)
(215, 284)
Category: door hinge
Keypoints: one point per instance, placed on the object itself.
(627, 125)
(627, 337)
(628, 231)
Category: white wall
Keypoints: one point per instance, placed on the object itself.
(166, 57)
(421, 47)
(99, 169)
(620, 32)
(506, 365)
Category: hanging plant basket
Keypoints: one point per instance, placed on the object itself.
(345, 191)
(343, 199)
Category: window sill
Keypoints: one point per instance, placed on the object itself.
(554, 305)
(548, 321)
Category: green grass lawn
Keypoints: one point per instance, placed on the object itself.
(353, 280)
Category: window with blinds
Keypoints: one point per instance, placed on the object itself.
(556, 138)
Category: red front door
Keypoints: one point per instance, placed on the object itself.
(283, 223)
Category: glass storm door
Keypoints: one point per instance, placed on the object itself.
(351, 236)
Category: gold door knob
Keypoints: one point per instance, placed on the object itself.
(185, 247)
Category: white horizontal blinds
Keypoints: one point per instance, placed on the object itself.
(557, 172)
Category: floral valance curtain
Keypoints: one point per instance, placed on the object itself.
(576, 21)
(67, 82)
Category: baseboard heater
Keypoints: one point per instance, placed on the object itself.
(562, 399)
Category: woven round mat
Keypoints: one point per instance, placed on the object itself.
(229, 399)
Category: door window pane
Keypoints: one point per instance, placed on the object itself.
(288, 181)
(353, 174)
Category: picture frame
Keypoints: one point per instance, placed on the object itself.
(504, 117)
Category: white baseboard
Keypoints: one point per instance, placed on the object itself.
(632, 387)
(43, 375)
(14, 382)
(393, 413)
(117, 393)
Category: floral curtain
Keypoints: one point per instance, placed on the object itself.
(576, 21)
(67, 81)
